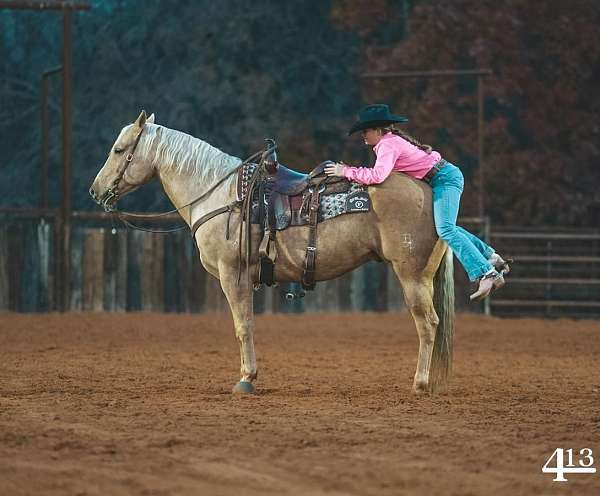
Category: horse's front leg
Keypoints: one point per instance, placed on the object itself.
(240, 298)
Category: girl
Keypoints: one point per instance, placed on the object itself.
(397, 151)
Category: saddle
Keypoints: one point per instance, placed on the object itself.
(277, 197)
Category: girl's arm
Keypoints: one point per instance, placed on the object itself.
(386, 158)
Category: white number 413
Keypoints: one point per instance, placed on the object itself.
(585, 462)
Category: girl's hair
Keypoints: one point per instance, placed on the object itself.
(391, 129)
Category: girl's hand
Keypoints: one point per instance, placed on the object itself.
(336, 169)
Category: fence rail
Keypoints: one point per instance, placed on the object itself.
(138, 271)
(555, 274)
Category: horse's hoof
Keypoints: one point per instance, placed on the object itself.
(421, 388)
(244, 387)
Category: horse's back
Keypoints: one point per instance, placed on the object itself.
(403, 201)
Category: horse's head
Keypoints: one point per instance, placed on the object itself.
(125, 168)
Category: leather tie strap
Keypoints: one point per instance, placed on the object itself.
(308, 276)
(227, 208)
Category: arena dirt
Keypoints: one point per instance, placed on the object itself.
(140, 404)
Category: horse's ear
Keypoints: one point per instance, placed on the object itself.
(150, 119)
(141, 120)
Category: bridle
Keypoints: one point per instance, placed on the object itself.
(113, 194)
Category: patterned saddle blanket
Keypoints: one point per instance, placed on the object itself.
(337, 196)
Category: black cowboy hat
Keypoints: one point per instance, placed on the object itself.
(376, 115)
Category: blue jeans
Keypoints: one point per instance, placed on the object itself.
(473, 254)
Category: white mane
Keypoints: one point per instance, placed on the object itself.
(184, 154)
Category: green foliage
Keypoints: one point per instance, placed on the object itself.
(217, 70)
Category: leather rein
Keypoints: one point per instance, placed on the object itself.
(113, 193)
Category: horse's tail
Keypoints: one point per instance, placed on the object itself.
(443, 302)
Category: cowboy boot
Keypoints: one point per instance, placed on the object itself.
(500, 264)
(488, 282)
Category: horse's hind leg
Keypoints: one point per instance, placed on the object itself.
(419, 299)
(240, 299)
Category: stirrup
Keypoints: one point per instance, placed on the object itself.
(295, 295)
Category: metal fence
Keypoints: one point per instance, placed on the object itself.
(555, 274)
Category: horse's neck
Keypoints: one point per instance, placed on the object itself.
(188, 168)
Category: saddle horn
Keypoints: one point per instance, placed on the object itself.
(269, 156)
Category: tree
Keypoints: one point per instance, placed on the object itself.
(542, 103)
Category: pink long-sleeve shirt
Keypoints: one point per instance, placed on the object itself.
(394, 153)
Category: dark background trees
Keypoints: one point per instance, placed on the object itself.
(233, 72)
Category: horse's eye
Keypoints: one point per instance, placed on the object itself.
(119, 150)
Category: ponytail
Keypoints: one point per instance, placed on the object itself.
(391, 129)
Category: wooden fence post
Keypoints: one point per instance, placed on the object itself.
(93, 270)
(4, 278)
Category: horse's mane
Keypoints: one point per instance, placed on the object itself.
(183, 154)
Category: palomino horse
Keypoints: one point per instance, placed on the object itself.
(398, 230)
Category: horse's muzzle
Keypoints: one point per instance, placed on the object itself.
(93, 195)
(107, 201)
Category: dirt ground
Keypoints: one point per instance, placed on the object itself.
(140, 404)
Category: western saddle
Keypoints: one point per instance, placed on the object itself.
(276, 197)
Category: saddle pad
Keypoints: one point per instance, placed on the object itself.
(356, 199)
(293, 210)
